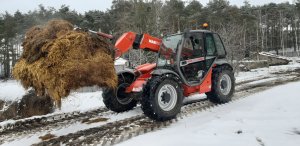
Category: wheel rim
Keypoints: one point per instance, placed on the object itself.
(225, 84)
(167, 97)
(121, 95)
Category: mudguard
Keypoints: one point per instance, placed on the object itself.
(163, 71)
(223, 61)
(126, 72)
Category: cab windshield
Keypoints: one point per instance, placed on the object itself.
(167, 52)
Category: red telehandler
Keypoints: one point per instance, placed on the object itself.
(190, 62)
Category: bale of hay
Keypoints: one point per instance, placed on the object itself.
(38, 36)
(58, 59)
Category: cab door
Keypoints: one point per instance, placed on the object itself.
(211, 51)
(192, 58)
(197, 55)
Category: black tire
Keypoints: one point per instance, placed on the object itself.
(217, 95)
(151, 105)
(115, 104)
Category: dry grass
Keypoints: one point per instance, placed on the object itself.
(96, 120)
(58, 59)
(47, 137)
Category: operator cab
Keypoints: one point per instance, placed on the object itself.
(191, 54)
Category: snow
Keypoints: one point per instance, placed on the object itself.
(253, 61)
(253, 74)
(284, 68)
(72, 128)
(81, 102)
(193, 98)
(11, 90)
(274, 55)
(75, 102)
(120, 61)
(266, 72)
(267, 118)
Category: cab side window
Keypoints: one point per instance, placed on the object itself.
(210, 45)
(193, 46)
(219, 45)
(197, 41)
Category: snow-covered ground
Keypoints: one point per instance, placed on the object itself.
(269, 118)
(81, 102)
(11, 90)
(84, 101)
(30, 139)
(265, 72)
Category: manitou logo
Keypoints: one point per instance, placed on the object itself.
(154, 42)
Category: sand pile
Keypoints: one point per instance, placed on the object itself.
(58, 59)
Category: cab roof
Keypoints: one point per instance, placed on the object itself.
(197, 30)
(201, 30)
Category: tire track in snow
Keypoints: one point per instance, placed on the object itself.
(116, 132)
(127, 129)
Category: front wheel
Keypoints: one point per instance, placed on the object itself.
(117, 99)
(162, 98)
(223, 83)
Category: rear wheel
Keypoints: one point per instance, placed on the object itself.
(223, 84)
(162, 98)
(117, 99)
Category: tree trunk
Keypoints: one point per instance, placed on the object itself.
(281, 34)
(257, 41)
(6, 62)
(244, 35)
(178, 24)
(267, 32)
(261, 30)
(296, 37)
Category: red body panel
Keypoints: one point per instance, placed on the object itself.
(188, 90)
(206, 84)
(145, 70)
(204, 87)
(124, 43)
(137, 85)
(150, 43)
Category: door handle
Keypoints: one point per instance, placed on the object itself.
(183, 63)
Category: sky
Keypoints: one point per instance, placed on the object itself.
(11, 6)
